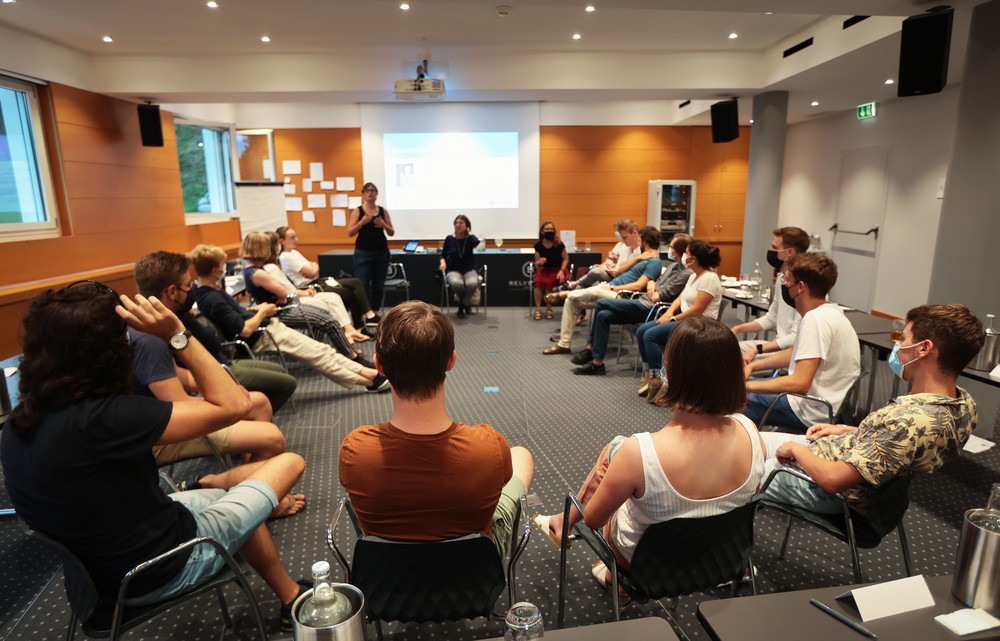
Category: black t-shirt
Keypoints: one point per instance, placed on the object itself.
(220, 308)
(151, 361)
(205, 336)
(370, 237)
(457, 254)
(86, 477)
(552, 255)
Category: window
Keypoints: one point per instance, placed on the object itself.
(27, 201)
(205, 155)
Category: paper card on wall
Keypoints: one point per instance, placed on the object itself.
(353, 202)
(338, 200)
(326, 184)
(289, 189)
(288, 179)
(307, 185)
(316, 200)
(345, 183)
(892, 597)
(339, 218)
(316, 171)
(291, 166)
(293, 204)
(308, 216)
(268, 169)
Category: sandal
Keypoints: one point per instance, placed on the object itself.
(541, 521)
(548, 314)
(538, 315)
(601, 574)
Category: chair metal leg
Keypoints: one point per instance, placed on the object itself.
(615, 601)
(784, 544)
(226, 619)
(378, 629)
(71, 630)
(905, 545)
(853, 543)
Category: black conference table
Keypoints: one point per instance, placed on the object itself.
(508, 283)
(647, 629)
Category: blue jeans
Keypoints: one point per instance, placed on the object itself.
(612, 311)
(791, 489)
(371, 268)
(652, 338)
(782, 414)
(228, 517)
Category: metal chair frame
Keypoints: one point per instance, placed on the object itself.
(394, 282)
(446, 293)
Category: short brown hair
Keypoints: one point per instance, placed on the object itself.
(793, 238)
(257, 247)
(626, 224)
(651, 236)
(205, 258)
(157, 271)
(683, 242)
(704, 368)
(955, 330)
(413, 344)
(818, 272)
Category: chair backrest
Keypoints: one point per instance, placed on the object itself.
(428, 581)
(682, 556)
(80, 588)
(890, 502)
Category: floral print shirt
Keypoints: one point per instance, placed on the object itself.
(913, 434)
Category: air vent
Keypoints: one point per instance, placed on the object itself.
(853, 20)
(797, 48)
(684, 104)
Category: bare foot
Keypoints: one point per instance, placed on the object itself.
(291, 505)
(359, 337)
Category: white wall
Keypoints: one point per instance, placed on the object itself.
(919, 132)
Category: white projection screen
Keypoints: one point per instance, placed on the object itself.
(432, 162)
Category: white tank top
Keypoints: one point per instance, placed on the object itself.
(661, 502)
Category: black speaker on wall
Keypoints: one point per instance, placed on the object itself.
(923, 52)
(725, 121)
(149, 126)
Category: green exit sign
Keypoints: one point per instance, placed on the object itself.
(866, 110)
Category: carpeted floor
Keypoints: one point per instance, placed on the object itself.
(503, 379)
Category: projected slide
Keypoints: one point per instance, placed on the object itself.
(443, 171)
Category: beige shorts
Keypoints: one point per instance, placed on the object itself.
(193, 448)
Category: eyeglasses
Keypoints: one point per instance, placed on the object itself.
(190, 288)
(369, 190)
(93, 283)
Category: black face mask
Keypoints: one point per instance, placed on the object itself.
(549, 235)
(186, 305)
(786, 296)
(773, 260)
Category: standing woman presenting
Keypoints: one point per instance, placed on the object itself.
(458, 264)
(370, 223)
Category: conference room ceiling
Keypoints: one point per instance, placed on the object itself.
(345, 51)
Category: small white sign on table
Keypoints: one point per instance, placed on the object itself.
(893, 597)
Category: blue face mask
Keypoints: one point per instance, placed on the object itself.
(894, 364)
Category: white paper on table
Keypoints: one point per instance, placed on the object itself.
(293, 204)
(326, 184)
(307, 185)
(291, 166)
(9, 371)
(568, 238)
(338, 200)
(290, 189)
(308, 216)
(345, 183)
(339, 218)
(316, 171)
(968, 620)
(316, 200)
(892, 597)
(527, 250)
(976, 444)
(353, 202)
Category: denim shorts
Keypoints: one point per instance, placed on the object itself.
(228, 517)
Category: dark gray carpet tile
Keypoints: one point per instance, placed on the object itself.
(503, 379)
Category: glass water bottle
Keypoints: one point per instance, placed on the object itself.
(326, 607)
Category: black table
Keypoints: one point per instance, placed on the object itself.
(789, 615)
(648, 629)
(867, 324)
(753, 305)
(507, 285)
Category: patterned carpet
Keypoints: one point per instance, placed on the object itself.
(503, 379)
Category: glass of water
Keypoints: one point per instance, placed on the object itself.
(524, 622)
(498, 242)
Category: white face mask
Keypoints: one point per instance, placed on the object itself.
(618, 235)
(685, 258)
(671, 255)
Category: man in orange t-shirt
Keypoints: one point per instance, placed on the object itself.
(423, 476)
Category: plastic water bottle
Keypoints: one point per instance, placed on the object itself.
(756, 278)
(989, 518)
(524, 622)
(326, 607)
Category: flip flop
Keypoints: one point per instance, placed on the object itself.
(289, 505)
(602, 575)
(548, 314)
(541, 521)
(538, 315)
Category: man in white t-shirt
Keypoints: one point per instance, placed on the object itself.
(825, 359)
(621, 258)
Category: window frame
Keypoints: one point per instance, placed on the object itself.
(201, 218)
(50, 228)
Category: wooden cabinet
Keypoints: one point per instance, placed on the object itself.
(719, 218)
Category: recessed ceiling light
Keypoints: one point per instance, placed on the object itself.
(890, 81)
(814, 104)
(768, 13)
(576, 36)
(212, 4)
(107, 39)
(265, 38)
(590, 8)
(404, 6)
(733, 36)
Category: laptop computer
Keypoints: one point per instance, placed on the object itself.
(411, 246)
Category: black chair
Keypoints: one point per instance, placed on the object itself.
(104, 617)
(891, 500)
(672, 558)
(396, 281)
(420, 581)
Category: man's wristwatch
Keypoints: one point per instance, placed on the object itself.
(760, 348)
(178, 342)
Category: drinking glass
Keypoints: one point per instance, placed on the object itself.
(498, 242)
(897, 330)
(524, 623)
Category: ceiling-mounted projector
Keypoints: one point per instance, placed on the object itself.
(420, 89)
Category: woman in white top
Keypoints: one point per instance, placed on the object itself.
(654, 477)
(701, 296)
